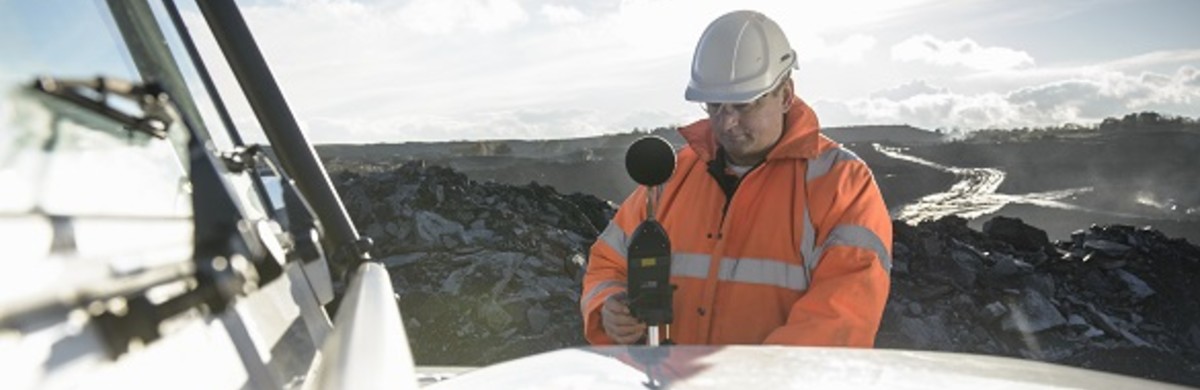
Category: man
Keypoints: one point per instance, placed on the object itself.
(779, 235)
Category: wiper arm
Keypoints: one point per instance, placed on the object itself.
(95, 96)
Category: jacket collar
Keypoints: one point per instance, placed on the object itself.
(800, 139)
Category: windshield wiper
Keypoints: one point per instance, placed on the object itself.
(96, 95)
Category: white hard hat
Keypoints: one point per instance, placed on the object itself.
(741, 56)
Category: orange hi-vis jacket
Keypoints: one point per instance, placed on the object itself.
(799, 256)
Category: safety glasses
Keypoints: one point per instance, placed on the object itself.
(715, 109)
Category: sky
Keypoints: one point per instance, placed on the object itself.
(369, 71)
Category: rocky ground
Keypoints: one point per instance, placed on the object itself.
(485, 272)
(1114, 298)
(488, 272)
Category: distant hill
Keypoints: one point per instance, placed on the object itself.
(595, 165)
(574, 149)
(554, 149)
(905, 135)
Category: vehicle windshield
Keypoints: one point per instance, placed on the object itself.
(93, 164)
(49, 152)
(53, 150)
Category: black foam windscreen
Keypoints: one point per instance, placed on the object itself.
(650, 161)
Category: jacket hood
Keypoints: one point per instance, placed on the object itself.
(800, 140)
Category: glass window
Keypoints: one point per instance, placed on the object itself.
(93, 177)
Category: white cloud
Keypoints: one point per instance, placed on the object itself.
(1191, 77)
(926, 111)
(1163, 59)
(909, 89)
(1153, 67)
(1083, 100)
(562, 14)
(1154, 58)
(822, 17)
(363, 71)
(852, 49)
(1116, 92)
(5, 113)
(514, 124)
(436, 17)
(462, 69)
(963, 52)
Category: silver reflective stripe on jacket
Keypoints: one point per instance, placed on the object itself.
(691, 265)
(824, 163)
(616, 239)
(847, 235)
(583, 303)
(768, 272)
(858, 236)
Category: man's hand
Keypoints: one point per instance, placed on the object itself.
(619, 324)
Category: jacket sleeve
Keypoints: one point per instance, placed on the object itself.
(607, 265)
(849, 282)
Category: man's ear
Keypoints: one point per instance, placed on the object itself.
(789, 93)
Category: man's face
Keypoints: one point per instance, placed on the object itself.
(748, 131)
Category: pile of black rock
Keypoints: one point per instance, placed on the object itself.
(1113, 298)
(487, 272)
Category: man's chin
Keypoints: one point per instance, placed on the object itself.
(736, 154)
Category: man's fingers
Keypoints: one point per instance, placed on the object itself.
(622, 327)
(624, 320)
(627, 334)
(627, 327)
(616, 304)
(627, 339)
(637, 330)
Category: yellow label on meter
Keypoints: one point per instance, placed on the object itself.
(648, 262)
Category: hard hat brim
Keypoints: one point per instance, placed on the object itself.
(744, 92)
